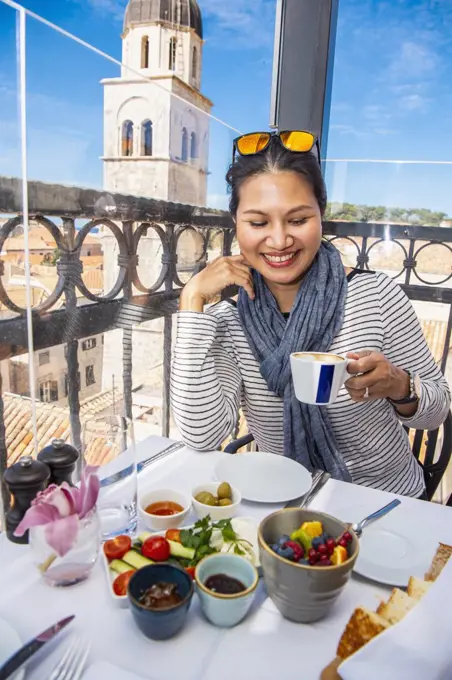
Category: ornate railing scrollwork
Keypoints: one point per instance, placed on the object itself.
(129, 219)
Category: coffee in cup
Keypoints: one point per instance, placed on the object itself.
(318, 376)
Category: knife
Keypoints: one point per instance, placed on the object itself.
(25, 652)
(319, 479)
(122, 474)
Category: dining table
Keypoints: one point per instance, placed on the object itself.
(263, 646)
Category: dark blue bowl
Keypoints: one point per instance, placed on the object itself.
(160, 624)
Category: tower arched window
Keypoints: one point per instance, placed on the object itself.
(193, 146)
(194, 63)
(127, 138)
(184, 155)
(145, 52)
(172, 54)
(146, 138)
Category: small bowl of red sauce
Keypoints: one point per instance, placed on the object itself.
(163, 509)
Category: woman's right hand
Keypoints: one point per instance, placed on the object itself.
(218, 275)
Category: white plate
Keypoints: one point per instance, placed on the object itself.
(264, 477)
(392, 549)
(10, 642)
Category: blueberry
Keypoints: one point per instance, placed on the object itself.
(286, 552)
(284, 538)
(275, 547)
(303, 561)
(317, 541)
(325, 537)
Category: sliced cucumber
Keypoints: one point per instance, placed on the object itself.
(119, 566)
(179, 550)
(134, 559)
(142, 538)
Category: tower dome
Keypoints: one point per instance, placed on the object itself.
(177, 12)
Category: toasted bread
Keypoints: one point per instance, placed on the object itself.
(441, 558)
(362, 627)
(396, 607)
(417, 588)
(331, 672)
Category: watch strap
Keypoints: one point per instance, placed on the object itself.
(412, 397)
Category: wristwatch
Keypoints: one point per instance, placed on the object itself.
(415, 391)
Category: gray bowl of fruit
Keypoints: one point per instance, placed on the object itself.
(307, 558)
(219, 500)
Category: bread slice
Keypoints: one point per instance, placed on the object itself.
(331, 671)
(396, 607)
(440, 559)
(417, 588)
(362, 627)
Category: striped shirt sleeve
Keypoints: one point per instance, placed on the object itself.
(205, 382)
(405, 346)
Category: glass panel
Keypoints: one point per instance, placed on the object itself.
(16, 407)
(100, 133)
(390, 150)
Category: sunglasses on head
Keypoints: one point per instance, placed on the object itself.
(297, 141)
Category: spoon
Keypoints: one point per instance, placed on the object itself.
(358, 527)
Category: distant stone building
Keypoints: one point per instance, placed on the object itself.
(156, 144)
(156, 122)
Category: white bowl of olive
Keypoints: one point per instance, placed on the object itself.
(220, 500)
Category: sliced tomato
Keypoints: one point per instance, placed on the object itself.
(116, 548)
(173, 535)
(191, 571)
(121, 582)
(156, 548)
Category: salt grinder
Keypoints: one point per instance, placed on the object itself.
(24, 480)
(61, 458)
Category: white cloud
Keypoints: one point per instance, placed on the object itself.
(233, 23)
(344, 129)
(413, 102)
(413, 60)
(112, 8)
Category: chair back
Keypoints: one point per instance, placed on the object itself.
(424, 449)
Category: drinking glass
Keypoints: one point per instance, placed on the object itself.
(109, 446)
(78, 563)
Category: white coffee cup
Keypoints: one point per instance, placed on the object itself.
(318, 376)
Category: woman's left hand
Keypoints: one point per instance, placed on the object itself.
(376, 377)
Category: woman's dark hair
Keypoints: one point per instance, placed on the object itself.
(276, 158)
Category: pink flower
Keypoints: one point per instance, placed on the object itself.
(60, 508)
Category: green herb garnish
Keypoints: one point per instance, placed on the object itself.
(200, 535)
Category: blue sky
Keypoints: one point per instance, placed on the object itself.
(392, 93)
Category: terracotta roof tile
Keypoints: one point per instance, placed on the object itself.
(52, 422)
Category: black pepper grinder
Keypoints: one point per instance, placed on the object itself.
(24, 480)
(61, 458)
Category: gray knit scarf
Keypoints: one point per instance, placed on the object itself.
(315, 319)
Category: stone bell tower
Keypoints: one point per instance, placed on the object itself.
(156, 143)
(156, 123)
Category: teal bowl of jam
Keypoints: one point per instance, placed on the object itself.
(226, 586)
(160, 596)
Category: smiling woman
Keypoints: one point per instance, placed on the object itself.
(295, 295)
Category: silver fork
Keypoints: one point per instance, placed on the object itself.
(73, 663)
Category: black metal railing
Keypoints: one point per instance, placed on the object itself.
(130, 302)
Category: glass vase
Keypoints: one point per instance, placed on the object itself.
(77, 564)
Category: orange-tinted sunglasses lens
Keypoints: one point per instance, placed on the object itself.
(247, 145)
(297, 140)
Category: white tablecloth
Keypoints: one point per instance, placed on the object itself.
(264, 646)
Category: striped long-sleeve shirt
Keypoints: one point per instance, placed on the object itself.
(215, 373)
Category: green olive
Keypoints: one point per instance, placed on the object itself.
(225, 501)
(224, 491)
(206, 498)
